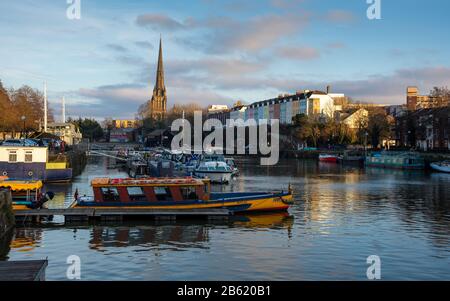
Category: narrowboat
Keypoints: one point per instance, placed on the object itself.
(443, 166)
(32, 163)
(410, 161)
(26, 195)
(328, 158)
(177, 193)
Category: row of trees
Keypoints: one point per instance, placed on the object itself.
(320, 131)
(26, 102)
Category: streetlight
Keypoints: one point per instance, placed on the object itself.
(365, 142)
(23, 118)
(409, 138)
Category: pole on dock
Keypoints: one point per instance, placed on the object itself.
(45, 107)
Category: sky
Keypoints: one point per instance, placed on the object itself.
(221, 51)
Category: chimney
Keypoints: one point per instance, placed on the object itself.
(328, 89)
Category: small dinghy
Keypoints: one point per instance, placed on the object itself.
(443, 166)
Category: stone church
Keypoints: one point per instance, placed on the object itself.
(158, 103)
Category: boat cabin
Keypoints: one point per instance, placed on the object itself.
(22, 191)
(150, 190)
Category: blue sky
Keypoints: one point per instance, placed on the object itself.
(217, 51)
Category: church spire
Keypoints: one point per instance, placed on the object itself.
(158, 103)
(159, 85)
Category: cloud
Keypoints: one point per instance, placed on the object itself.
(299, 53)
(117, 47)
(158, 22)
(144, 44)
(377, 88)
(123, 100)
(228, 35)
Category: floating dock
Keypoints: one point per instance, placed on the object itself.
(32, 270)
(91, 214)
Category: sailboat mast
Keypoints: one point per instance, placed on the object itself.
(45, 107)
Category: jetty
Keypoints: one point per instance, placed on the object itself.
(30, 270)
(117, 214)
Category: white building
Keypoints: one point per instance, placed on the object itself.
(317, 103)
(217, 109)
(67, 132)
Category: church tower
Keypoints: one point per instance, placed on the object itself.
(158, 104)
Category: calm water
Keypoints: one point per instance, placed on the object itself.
(341, 216)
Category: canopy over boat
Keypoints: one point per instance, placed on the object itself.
(16, 185)
(188, 181)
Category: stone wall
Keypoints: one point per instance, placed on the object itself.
(6, 213)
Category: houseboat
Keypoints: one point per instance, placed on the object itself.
(178, 194)
(32, 163)
(408, 160)
(26, 195)
(328, 158)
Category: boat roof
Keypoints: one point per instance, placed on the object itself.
(188, 181)
(214, 164)
(18, 185)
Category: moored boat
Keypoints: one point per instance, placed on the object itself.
(215, 171)
(177, 194)
(443, 166)
(409, 160)
(26, 195)
(328, 158)
(32, 163)
(352, 157)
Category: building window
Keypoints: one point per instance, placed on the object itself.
(28, 156)
(12, 156)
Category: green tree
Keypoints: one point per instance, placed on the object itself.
(379, 127)
(90, 128)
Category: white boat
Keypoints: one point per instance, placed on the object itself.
(215, 171)
(443, 166)
(232, 164)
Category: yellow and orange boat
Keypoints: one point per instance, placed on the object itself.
(178, 194)
(26, 195)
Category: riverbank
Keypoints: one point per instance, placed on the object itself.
(7, 220)
(314, 154)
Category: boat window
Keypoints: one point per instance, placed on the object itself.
(163, 194)
(12, 156)
(189, 193)
(29, 156)
(110, 194)
(136, 193)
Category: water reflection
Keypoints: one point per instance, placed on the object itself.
(341, 215)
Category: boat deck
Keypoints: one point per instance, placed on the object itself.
(32, 270)
(88, 214)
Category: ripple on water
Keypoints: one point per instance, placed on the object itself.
(340, 217)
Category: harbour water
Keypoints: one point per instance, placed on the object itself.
(341, 216)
